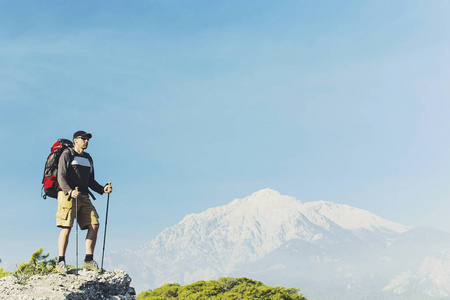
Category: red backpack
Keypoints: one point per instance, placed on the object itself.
(50, 185)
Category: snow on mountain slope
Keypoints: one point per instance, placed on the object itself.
(351, 218)
(249, 228)
(217, 241)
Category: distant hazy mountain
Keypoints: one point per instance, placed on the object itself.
(328, 250)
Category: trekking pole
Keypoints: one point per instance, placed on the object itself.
(76, 224)
(106, 224)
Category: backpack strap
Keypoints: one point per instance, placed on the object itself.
(71, 156)
(92, 195)
(90, 160)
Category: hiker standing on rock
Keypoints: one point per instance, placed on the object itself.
(75, 176)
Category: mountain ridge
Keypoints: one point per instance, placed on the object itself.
(259, 234)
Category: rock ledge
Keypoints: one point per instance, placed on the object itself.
(86, 285)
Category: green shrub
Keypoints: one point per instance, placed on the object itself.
(225, 288)
(38, 265)
(4, 273)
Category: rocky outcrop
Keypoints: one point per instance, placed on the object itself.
(86, 285)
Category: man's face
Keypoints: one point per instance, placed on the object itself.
(81, 142)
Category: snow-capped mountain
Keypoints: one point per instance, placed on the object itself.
(326, 249)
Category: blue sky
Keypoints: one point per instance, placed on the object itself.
(195, 103)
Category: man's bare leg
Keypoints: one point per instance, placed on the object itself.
(63, 240)
(91, 238)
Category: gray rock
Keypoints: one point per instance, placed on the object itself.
(87, 285)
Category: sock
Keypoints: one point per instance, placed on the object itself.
(89, 257)
(62, 258)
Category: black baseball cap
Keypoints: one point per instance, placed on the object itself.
(82, 133)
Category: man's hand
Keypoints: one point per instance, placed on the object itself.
(74, 193)
(108, 189)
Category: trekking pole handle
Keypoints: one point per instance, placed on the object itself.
(108, 184)
(70, 194)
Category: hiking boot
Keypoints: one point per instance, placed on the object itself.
(61, 267)
(91, 265)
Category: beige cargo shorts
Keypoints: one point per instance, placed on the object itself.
(65, 216)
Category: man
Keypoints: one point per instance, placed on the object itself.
(75, 176)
